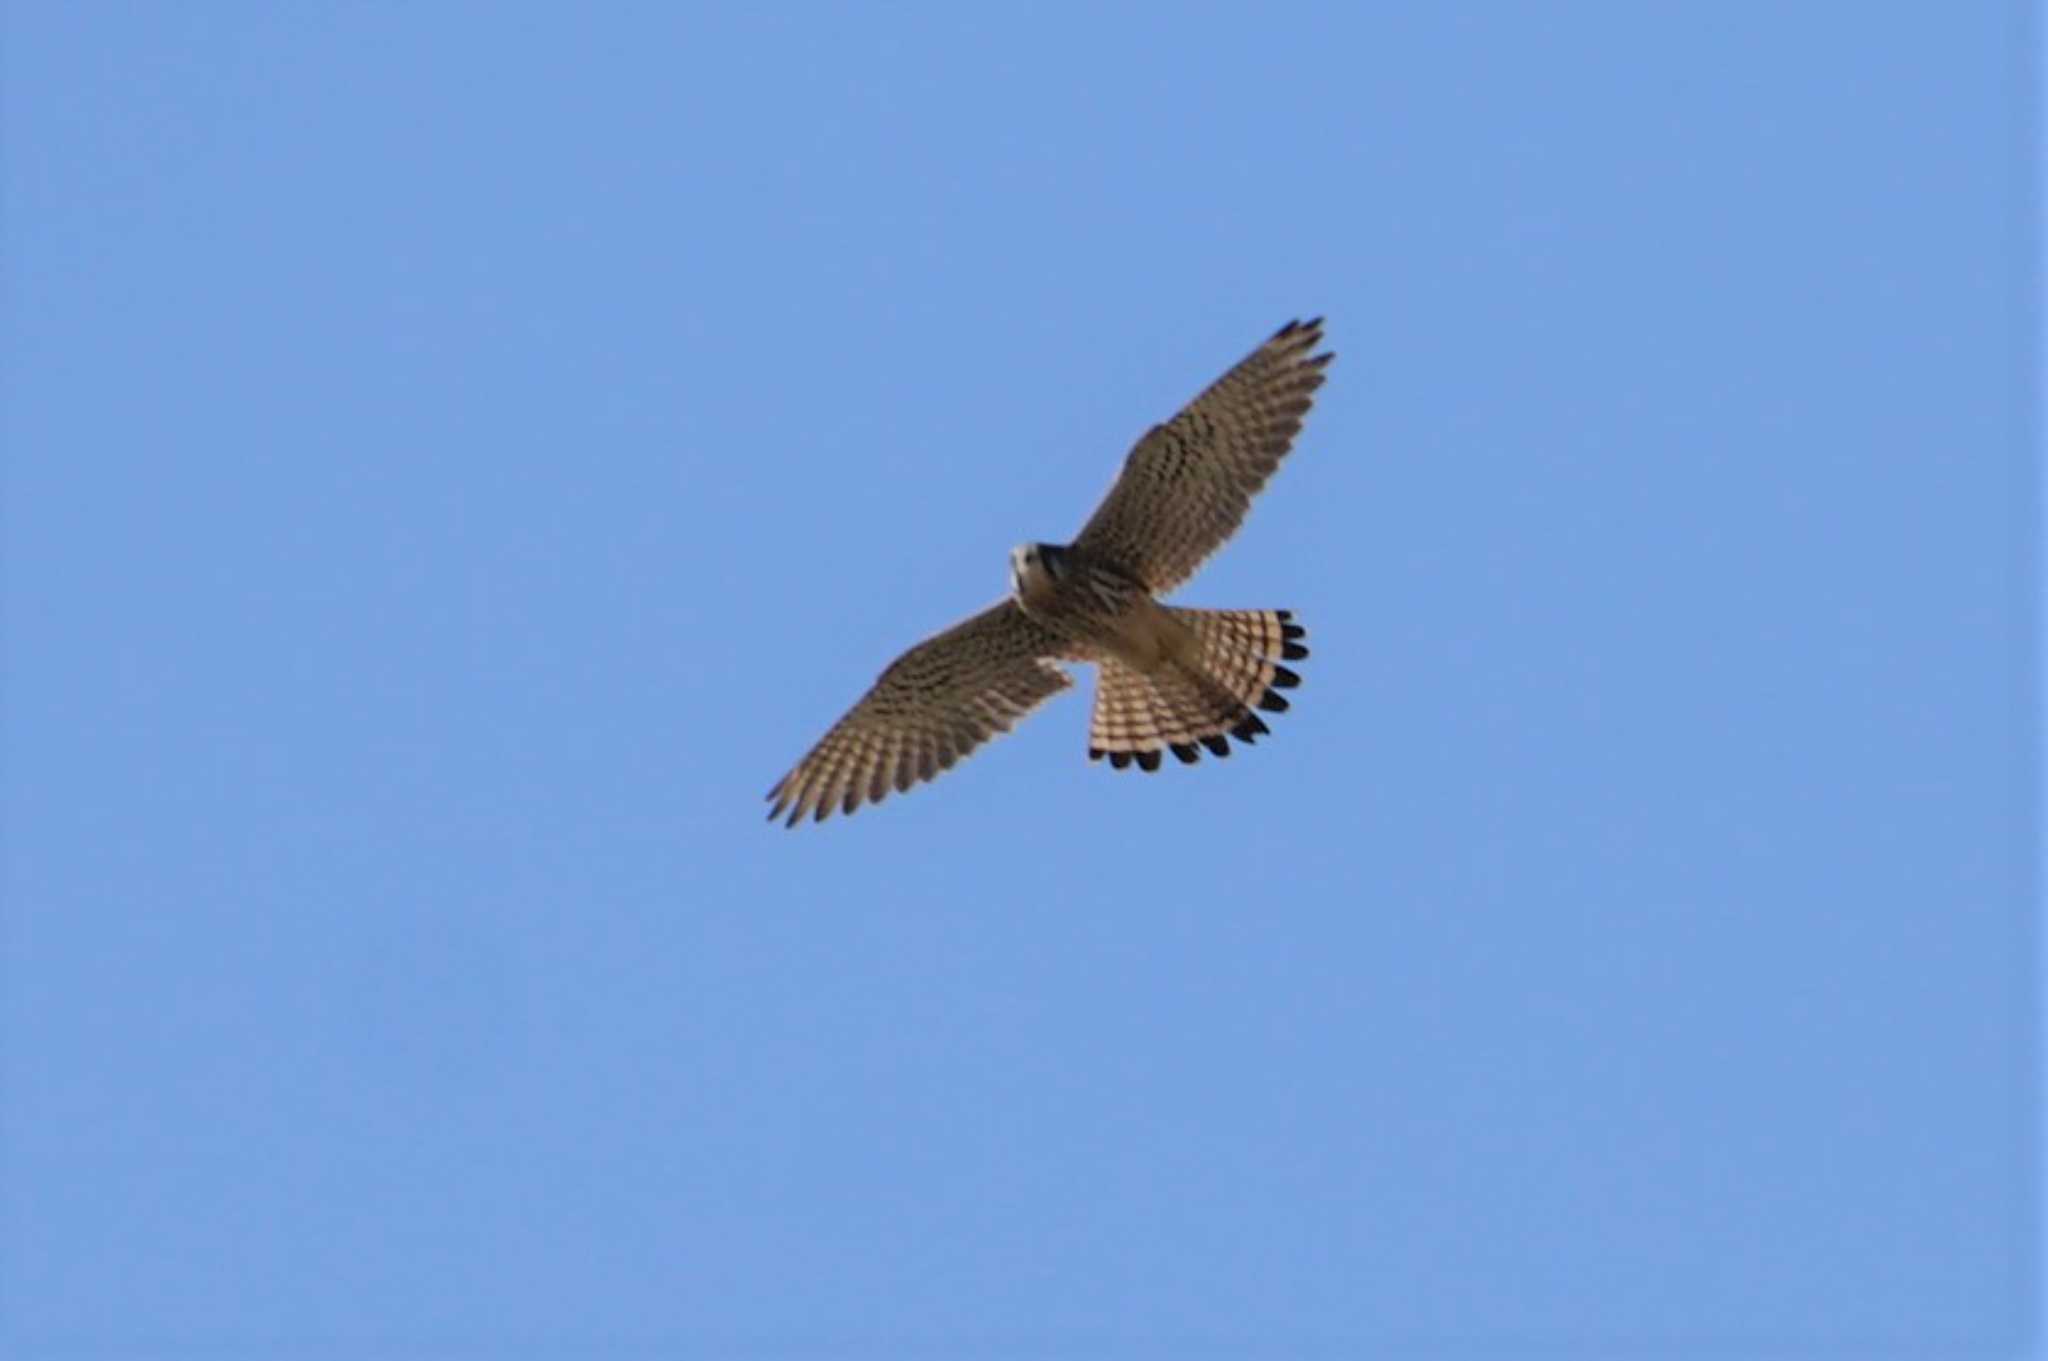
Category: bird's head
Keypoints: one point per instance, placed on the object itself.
(1034, 567)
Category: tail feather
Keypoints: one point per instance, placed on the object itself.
(1198, 703)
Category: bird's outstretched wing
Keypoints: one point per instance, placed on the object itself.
(935, 703)
(1187, 484)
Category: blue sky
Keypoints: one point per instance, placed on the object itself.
(458, 456)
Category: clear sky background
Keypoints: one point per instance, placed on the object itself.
(458, 456)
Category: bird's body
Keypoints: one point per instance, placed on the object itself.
(1095, 606)
(1170, 678)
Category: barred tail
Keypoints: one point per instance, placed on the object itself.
(1236, 671)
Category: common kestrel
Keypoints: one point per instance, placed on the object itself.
(1169, 679)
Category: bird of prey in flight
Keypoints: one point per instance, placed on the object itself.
(1168, 678)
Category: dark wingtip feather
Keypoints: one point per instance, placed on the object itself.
(1283, 615)
(1187, 753)
(1148, 761)
(1248, 728)
(1273, 703)
(1290, 630)
(1095, 753)
(1285, 678)
(1217, 744)
(1120, 759)
(1293, 652)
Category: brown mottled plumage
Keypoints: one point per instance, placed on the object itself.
(1171, 679)
(1187, 484)
(935, 703)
